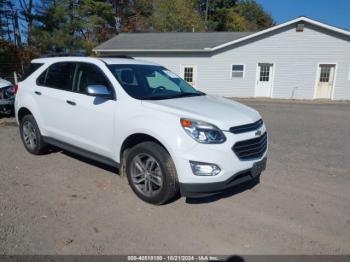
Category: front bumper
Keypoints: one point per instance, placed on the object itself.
(221, 155)
(9, 101)
(6, 105)
(204, 189)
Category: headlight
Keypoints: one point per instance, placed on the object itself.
(203, 132)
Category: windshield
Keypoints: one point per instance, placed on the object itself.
(149, 82)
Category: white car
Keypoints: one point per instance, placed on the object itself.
(136, 115)
(6, 97)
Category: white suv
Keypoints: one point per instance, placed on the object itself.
(136, 115)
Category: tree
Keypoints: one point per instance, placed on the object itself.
(234, 15)
(139, 21)
(230, 20)
(27, 11)
(210, 9)
(96, 22)
(66, 25)
(176, 16)
(9, 25)
(51, 31)
(160, 15)
(254, 13)
(3, 21)
(132, 15)
(214, 5)
(14, 59)
(157, 15)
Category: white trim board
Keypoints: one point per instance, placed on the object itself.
(299, 19)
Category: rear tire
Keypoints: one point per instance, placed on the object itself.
(151, 173)
(31, 136)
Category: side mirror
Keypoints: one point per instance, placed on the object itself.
(99, 91)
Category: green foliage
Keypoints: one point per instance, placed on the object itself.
(64, 25)
(230, 20)
(6, 20)
(158, 15)
(235, 15)
(2, 19)
(176, 16)
(13, 59)
(135, 15)
(255, 15)
(79, 25)
(220, 4)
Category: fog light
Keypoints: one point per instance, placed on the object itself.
(204, 169)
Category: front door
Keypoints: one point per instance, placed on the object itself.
(325, 80)
(264, 80)
(189, 74)
(91, 119)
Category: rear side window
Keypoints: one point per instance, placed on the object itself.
(30, 69)
(59, 76)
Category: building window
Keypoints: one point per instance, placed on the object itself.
(237, 71)
(325, 73)
(188, 74)
(265, 73)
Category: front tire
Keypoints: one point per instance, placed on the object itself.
(31, 137)
(151, 173)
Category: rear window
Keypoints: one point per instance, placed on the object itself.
(30, 69)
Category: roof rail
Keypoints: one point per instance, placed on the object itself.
(116, 56)
(63, 54)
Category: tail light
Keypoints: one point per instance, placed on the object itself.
(16, 88)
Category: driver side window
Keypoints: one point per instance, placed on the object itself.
(157, 80)
(87, 74)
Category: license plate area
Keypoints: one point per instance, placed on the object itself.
(258, 167)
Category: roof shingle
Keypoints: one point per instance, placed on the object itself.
(169, 41)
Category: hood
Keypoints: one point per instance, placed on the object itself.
(222, 112)
(4, 83)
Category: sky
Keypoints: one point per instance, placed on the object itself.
(333, 12)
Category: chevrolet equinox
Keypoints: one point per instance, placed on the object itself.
(166, 136)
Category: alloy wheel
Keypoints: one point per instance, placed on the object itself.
(146, 174)
(29, 135)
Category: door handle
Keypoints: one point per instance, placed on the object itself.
(72, 103)
(37, 93)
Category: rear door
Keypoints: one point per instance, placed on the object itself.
(53, 89)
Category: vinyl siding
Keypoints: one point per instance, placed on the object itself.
(295, 56)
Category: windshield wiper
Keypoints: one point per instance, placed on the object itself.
(189, 94)
(185, 94)
(155, 97)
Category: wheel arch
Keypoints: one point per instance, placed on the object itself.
(137, 138)
(23, 111)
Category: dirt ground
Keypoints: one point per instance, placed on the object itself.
(63, 204)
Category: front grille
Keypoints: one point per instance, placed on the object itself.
(252, 148)
(246, 128)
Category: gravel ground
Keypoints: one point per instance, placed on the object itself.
(62, 204)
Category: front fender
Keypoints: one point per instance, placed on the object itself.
(164, 128)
